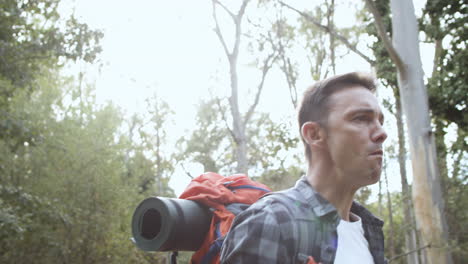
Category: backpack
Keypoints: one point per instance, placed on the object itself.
(226, 197)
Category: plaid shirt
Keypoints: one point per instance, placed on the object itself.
(291, 225)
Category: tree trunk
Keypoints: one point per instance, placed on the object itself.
(410, 234)
(380, 210)
(437, 52)
(441, 154)
(237, 124)
(331, 25)
(158, 162)
(427, 195)
(391, 238)
(239, 121)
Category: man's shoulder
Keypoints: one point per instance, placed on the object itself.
(274, 205)
(263, 233)
(276, 210)
(279, 200)
(281, 207)
(266, 232)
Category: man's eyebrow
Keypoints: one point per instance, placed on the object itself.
(367, 110)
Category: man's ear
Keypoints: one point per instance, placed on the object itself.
(313, 133)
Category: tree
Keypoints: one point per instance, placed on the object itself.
(67, 196)
(274, 153)
(209, 144)
(272, 149)
(65, 164)
(445, 21)
(427, 196)
(148, 164)
(160, 113)
(33, 40)
(443, 25)
(387, 74)
(341, 35)
(239, 121)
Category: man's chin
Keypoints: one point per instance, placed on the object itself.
(374, 176)
(375, 179)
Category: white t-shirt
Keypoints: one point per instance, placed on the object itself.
(352, 245)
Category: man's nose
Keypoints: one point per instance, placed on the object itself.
(379, 134)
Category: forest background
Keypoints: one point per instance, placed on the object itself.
(93, 120)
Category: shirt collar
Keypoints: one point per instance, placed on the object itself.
(318, 204)
(367, 217)
(322, 207)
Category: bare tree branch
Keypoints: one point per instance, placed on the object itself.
(238, 20)
(330, 24)
(186, 172)
(291, 80)
(218, 31)
(286, 66)
(238, 128)
(409, 252)
(385, 38)
(268, 63)
(226, 9)
(331, 31)
(218, 103)
(288, 71)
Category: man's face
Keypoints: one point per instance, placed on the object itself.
(354, 136)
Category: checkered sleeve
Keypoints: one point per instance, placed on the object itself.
(261, 234)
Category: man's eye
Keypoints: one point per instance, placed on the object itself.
(361, 118)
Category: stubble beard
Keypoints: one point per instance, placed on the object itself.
(374, 175)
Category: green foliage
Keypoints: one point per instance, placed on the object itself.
(31, 36)
(323, 49)
(385, 69)
(273, 154)
(271, 149)
(209, 144)
(363, 195)
(399, 228)
(316, 43)
(22, 216)
(456, 195)
(444, 23)
(33, 40)
(67, 192)
(148, 163)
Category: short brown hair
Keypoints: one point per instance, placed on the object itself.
(313, 106)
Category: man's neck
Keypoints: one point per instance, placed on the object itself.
(326, 182)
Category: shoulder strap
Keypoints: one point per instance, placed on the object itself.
(302, 228)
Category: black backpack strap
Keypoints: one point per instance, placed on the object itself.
(303, 232)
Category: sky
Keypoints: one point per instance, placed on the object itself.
(169, 48)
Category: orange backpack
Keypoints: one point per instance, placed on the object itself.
(226, 196)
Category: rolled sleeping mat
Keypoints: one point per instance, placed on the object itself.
(169, 224)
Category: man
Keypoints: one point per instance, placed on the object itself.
(317, 221)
